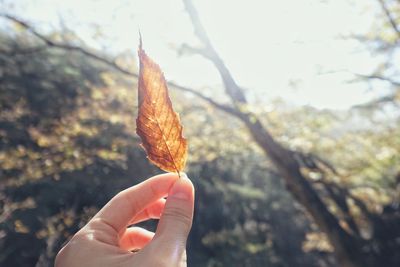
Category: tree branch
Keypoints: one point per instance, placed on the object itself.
(50, 43)
(281, 157)
(379, 77)
(69, 47)
(378, 102)
(232, 89)
(339, 196)
(390, 18)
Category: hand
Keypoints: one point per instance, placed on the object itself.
(106, 240)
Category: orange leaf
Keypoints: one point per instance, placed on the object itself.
(157, 124)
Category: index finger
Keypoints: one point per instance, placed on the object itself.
(120, 210)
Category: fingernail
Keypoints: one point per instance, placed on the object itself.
(181, 189)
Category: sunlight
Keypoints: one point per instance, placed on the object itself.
(286, 49)
(286, 129)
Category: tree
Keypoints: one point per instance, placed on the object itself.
(56, 153)
(337, 210)
(384, 41)
(68, 145)
(350, 247)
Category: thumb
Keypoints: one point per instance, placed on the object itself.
(176, 219)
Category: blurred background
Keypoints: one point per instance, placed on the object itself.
(291, 110)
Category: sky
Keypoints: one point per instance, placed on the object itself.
(294, 50)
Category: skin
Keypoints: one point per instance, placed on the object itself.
(107, 241)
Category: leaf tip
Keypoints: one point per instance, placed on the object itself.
(140, 41)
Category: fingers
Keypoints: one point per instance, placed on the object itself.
(135, 238)
(152, 212)
(120, 210)
(176, 219)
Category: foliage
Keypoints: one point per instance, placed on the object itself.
(64, 133)
(68, 145)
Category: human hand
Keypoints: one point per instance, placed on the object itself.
(105, 241)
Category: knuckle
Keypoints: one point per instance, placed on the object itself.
(131, 201)
(154, 190)
(71, 248)
(178, 215)
(148, 212)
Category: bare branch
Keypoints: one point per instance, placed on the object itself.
(232, 89)
(378, 102)
(64, 46)
(199, 30)
(188, 49)
(50, 43)
(225, 108)
(379, 77)
(390, 18)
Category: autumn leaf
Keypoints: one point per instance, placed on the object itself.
(157, 124)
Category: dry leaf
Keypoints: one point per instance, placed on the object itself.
(157, 124)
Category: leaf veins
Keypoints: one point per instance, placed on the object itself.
(157, 124)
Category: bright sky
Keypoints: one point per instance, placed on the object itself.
(287, 49)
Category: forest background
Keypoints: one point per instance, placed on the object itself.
(293, 129)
